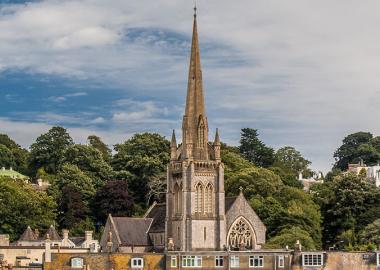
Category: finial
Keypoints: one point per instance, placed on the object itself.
(217, 138)
(241, 189)
(195, 8)
(173, 141)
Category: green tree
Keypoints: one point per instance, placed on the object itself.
(355, 147)
(19, 155)
(371, 233)
(49, 148)
(292, 159)
(71, 175)
(114, 199)
(289, 236)
(22, 206)
(255, 150)
(145, 156)
(6, 157)
(90, 161)
(97, 143)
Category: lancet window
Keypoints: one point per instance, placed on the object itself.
(209, 198)
(241, 235)
(199, 198)
(178, 198)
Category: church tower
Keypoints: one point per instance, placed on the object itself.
(195, 213)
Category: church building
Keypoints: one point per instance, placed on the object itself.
(197, 215)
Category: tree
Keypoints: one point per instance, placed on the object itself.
(289, 236)
(356, 147)
(114, 199)
(255, 150)
(344, 202)
(71, 175)
(49, 148)
(90, 161)
(15, 156)
(7, 158)
(97, 143)
(371, 233)
(290, 158)
(71, 207)
(145, 156)
(22, 206)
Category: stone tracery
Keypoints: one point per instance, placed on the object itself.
(241, 235)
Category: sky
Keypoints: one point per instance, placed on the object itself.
(304, 73)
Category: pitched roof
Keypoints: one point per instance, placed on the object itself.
(133, 231)
(229, 201)
(158, 213)
(53, 235)
(28, 235)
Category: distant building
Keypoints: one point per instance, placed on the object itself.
(309, 182)
(12, 174)
(372, 173)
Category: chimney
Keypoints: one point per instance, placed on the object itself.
(4, 240)
(65, 234)
(3, 168)
(37, 233)
(88, 236)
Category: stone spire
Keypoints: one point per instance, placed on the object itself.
(173, 147)
(195, 126)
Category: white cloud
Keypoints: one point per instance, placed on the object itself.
(65, 97)
(303, 72)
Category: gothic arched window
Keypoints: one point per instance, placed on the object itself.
(178, 198)
(199, 198)
(241, 235)
(208, 198)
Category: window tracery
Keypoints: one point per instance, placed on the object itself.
(199, 198)
(241, 235)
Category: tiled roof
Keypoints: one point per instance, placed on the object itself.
(133, 231)
(229, 201)
(53, 235)
(158, 214)
(28, 235)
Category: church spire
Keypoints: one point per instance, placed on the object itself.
(195, 126)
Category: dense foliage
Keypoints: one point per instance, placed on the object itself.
(88, 182)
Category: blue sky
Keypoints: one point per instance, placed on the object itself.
(305, 73)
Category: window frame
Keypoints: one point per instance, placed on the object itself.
(234, 261)
(378, 259)
(173, 261)
(312, 259)
(76, 260)
(219, 261)
(256, 258)
(281, 258)
(137, 266)
(191, 261)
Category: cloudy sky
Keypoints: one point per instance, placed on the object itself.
(305, 73)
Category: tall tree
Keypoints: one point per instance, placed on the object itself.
(145, 156)
(255, 150)
(97, 143)
(22, 206)
(114, 199)
(49, 148)
(15, 152)
(7, 158)
(356, 147)
(90, 161)
(292, 159)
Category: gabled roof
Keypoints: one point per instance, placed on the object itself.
(53, 235)
(229, 201)
(158, 213)
(28, 235)
(132, 231)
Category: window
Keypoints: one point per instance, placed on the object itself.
(137, 263)
(218, 261)
(178, 198)
(378, 259)
(76, 262)
(208, 198)
(281, 261)
(192, 261)
(256, 261)
(234, 261)
(240, 235)
(173, 261)
(312, 259)
(199, 198)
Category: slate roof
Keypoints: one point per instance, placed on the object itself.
(158, 214)
(133, 231)
(28, 235)
(53, 235)
(229, 201)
